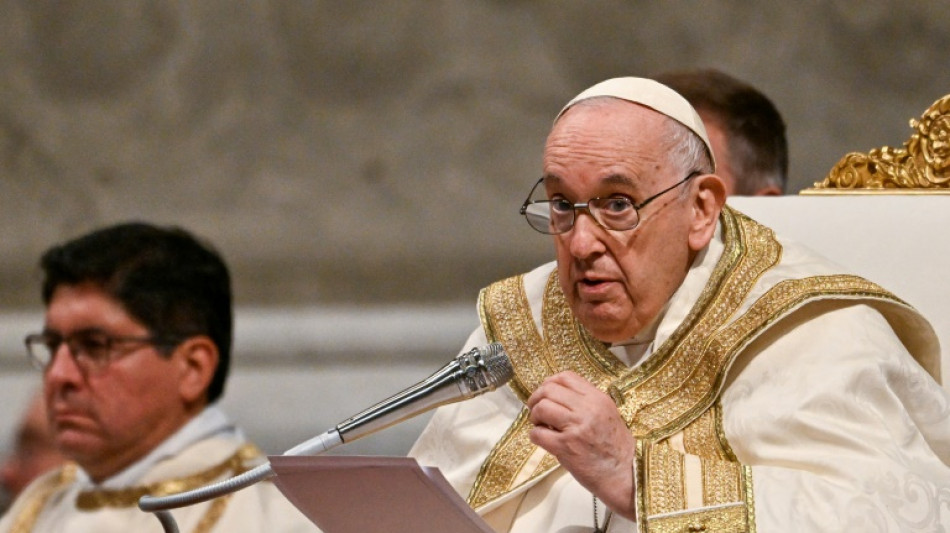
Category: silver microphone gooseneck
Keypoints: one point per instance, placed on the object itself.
(472, 373)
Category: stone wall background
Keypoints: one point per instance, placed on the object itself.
(364, 154)
(378, 151)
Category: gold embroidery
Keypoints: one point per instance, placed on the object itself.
(666, 491)
(727, 482)
(664, 485)
(506, 318)
(789, 295)
(701, 437)
(213, 514)
(721, 434)
(724, 519)
(506, 459)
(684, 375)
(26, 520)
(749, 497)
(726, 493)
(722, 482)
(572, 345)
(96, 499)
(642, 481)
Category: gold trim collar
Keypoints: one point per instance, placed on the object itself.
(91, 500)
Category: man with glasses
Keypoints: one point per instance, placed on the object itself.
(134, 352)
(679, 367)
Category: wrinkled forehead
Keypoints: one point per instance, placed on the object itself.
(649, 93)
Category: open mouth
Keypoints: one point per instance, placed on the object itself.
(595, 288)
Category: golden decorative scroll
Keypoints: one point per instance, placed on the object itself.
(921, 166)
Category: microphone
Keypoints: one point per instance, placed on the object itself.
(472, 373)
(468, 375)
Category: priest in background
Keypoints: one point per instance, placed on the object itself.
(134, 352)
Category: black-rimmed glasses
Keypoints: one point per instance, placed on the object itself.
(92, 350)
(617, 213)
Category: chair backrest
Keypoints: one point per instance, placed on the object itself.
(899, 242)
(885, 215)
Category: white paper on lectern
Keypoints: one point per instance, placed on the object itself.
(356, 494)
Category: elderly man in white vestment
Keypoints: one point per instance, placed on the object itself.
(680, 367)
(135, 349)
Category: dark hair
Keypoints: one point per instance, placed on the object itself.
(164, 277)
(753, 125)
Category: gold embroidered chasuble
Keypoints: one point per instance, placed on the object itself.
(686, 473)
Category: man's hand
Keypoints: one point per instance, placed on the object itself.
(580, 425)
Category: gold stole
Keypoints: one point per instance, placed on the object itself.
(687, 475)
(93, 500)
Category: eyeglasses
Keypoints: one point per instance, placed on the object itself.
(617, 213)
(92, 350)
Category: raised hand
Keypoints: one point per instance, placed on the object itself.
(580, 425)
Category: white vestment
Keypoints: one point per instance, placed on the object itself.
(836, 426)
(207, 449)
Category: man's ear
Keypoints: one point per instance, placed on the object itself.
(707, 204)
(197, 359)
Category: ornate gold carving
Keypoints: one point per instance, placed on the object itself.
(922, 165)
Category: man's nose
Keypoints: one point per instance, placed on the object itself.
(586, 235)
(62, 366)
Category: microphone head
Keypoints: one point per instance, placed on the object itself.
(484, 369)
(498, 364)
